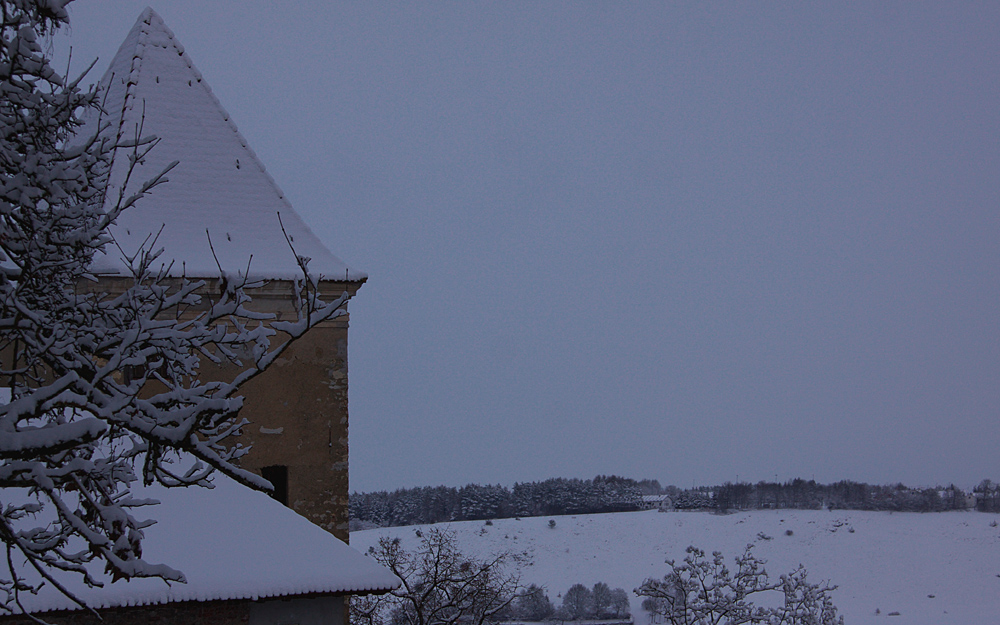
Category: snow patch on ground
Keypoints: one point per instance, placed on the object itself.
(931, 568)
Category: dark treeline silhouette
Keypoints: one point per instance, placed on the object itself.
(987, 496)
(433, 504)
(558, 496)
(843, 495)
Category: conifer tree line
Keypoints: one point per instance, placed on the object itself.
(559, 496)
(844, 495)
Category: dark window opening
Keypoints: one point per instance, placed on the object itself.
(277, 475)
(132, 373)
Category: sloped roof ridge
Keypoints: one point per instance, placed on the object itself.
(133, 65)
(147, 21)
(152, 88)
(245, 546)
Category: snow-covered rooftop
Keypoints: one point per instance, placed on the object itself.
(219, 186)
(231, 543)
(655, 498)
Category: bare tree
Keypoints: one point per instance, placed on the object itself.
(602, 600)
(533, 605)
(705, 592)
(619, 604)
(103, 390)
(441, 586)
(577, 604)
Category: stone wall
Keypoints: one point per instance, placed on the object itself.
(298, 412)
(181, 613)
(298, 416)
(320, 610)
(298, 408)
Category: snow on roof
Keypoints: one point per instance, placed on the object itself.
(230, 542)
(219, 185)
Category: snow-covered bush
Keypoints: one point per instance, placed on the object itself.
(99, 387)
(441, 585)
(702, 591)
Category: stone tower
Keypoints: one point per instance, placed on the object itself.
(220, 208)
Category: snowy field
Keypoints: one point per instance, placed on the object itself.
(931, 569)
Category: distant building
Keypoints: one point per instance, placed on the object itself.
(657, 502)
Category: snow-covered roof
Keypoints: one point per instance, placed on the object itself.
(219, 184)
(231, 543)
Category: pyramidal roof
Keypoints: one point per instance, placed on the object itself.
(219, 191)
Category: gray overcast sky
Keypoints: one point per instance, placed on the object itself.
(681, 241)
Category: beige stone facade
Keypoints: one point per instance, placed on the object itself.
(298, 408)
(298, 415)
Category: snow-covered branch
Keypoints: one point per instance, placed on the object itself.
(440, 585)
(703, 591)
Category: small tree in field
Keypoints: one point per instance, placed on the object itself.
(705, 592)
(441, 586)
(100, 390)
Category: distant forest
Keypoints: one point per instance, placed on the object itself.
(559, 496)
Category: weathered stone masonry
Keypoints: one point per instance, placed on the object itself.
(298, 408)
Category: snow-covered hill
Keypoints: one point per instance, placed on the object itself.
(934, 568)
